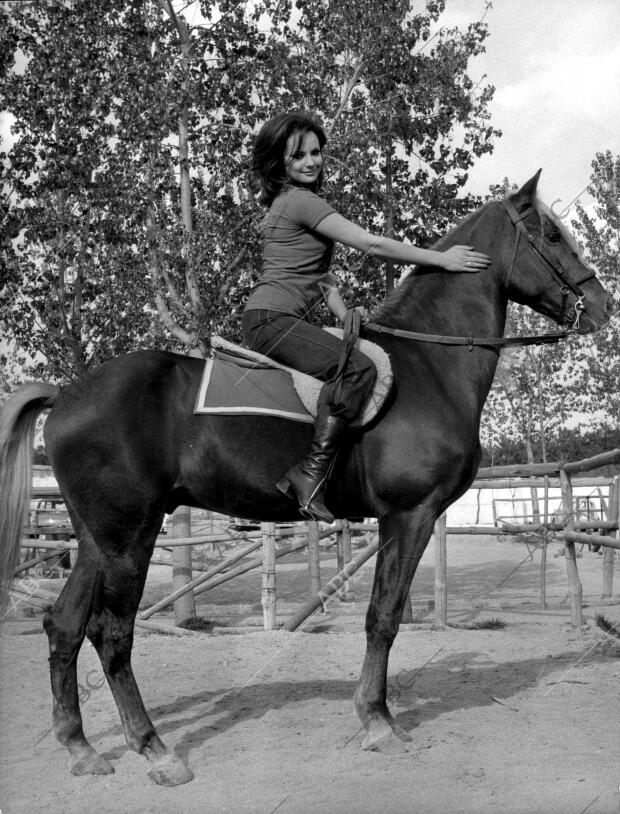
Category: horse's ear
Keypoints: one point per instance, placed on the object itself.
(526, 194)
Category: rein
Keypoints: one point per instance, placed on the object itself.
(470, 341)
(566, 286)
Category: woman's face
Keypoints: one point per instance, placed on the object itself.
(303, 161)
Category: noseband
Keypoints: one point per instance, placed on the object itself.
(571, 316)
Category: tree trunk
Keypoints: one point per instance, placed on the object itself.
(184, 606)
(389, 214)
(533, 490)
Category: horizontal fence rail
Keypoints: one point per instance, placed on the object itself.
(569, 529)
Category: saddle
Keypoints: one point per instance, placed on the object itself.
(238, 381)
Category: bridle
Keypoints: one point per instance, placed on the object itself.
(569, 317)
(565, 315)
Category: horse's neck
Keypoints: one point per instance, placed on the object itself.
(459, 304)
(455, 304)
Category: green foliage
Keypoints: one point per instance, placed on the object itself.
(70, 284)
(565, 445)
(129, 219)
(599, 235)
(15, 365)
(409, 129)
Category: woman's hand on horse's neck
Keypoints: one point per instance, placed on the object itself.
(437, 302)
(456, 258)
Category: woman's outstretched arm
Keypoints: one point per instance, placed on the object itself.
(456, 258)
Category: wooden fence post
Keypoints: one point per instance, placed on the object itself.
(268, 593)
(441, 582)
(609, 554)
(339, 544)
(314, 559)
(184, 606)
(544, 547)
(343, 546)
(574, 585)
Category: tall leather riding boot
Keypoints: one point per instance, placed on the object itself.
(307, 478)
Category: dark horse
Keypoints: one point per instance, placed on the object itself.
(126, 447)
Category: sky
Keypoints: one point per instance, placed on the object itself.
(555, 65)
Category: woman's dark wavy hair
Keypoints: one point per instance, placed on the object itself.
(268, 155)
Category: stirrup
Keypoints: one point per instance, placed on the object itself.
(307, 511)
(311, 514)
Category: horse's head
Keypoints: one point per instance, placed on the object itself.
(544, 270)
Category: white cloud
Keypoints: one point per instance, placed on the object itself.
(567, 84)
(556, 69)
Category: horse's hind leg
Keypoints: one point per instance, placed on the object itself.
(110, 630)
(65, 626)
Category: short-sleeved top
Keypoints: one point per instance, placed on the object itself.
(296, 258)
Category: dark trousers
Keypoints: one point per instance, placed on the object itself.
(298, 344)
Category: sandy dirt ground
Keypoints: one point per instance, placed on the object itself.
(519, 720)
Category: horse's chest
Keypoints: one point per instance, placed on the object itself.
(407, 458)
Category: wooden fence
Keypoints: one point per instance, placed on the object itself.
(534, 476)
(568, 529)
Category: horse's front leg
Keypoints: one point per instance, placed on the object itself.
(403, 537)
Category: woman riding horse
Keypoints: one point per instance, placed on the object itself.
(126, 447)
(299, 232)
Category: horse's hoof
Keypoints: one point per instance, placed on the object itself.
(93, 764)
(388, 745)
(383, 739)
(170, 771)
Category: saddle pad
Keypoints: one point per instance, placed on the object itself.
(228, 389)
(249, 387)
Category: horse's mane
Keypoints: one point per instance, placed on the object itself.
(391, 305)
(395, 297)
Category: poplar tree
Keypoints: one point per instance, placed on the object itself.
(598, 232)
(127, 186)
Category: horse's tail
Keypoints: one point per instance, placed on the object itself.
(18, 418)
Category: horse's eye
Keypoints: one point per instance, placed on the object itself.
(552, 237)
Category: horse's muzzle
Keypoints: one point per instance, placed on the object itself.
(591, 322)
